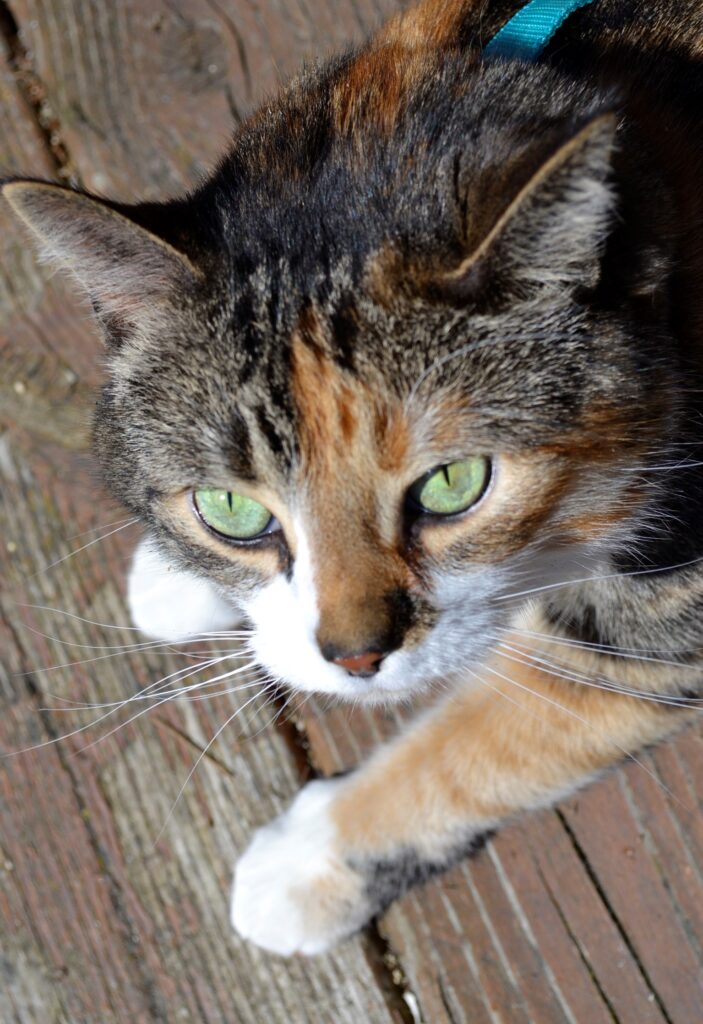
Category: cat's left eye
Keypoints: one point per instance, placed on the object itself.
(232, 515)
(453, 488)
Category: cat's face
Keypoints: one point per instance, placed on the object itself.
(370, 417)
(306, 504)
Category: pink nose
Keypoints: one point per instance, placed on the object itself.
(359, 663)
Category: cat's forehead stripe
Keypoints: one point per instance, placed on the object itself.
(326, 404)
(340, 419)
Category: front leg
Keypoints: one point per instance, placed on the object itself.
(518, 738)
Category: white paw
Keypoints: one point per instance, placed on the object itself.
(169, 604)
(293, 893)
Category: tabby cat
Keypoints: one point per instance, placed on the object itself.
(414, 382)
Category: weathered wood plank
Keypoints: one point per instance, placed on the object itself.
(629, 871)
(146, 93)
(166, 951)
(150, 905)
(549, 924)
(76, 929)
(590, 924)
(45, 938)
(48, 351)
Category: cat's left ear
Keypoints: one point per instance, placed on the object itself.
(126, 269)
(552, 234)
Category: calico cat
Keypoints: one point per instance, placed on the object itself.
(414, 381)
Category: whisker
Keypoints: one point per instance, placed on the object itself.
(567, 672)
(272, 686)
(610, 650)
(90, 543)
(276, 684)
(502, 693)
(179, 694)
(682, 464)
(597, 579)
(157, 689)
(106, 657)
(103, 526)
(130, 629)
(151, 692)
(172, 645)
(217, 693)
(202, 754)
(122, 725)
(589, 725)
(108, 714)
(229, 634)
(119, 648)
(60, 739)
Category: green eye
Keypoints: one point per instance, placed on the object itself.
(452, 488)
(232, 514)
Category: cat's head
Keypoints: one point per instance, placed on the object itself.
(390, 366)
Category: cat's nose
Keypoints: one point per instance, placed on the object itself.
(366, 664)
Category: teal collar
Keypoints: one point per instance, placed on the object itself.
(528, 32)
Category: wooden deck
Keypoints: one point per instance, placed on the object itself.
(113, 903)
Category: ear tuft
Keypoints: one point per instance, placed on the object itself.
(125, 268)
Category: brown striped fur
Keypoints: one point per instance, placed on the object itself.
(411, 257)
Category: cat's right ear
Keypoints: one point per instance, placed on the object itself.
(129, 272)
(551, 235)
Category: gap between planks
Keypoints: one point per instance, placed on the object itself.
(34, 93)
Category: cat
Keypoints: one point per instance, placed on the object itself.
(413, 381)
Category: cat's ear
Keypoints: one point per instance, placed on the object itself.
(552, 234)
(126, 269)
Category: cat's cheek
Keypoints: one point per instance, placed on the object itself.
(168, 603)
(293, 892)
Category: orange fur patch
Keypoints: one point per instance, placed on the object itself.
(392, 436)
(430, 24)
(494, 750)
(353, 446)
(374, 88)
(326, 403)
(375, 85)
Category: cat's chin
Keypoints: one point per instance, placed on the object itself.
(375, 691)
(375, 696)
(388, 698)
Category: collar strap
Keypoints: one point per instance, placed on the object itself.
(531, 29)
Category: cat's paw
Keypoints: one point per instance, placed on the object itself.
(293, 892)
(167, 603)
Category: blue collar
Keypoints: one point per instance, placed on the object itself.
(528, 32)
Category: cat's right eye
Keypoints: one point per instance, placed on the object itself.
(453, 488)
(233, 516)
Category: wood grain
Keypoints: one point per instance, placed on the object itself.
(147, 93)
(122, 884)
(113, 901)
(100, 921)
